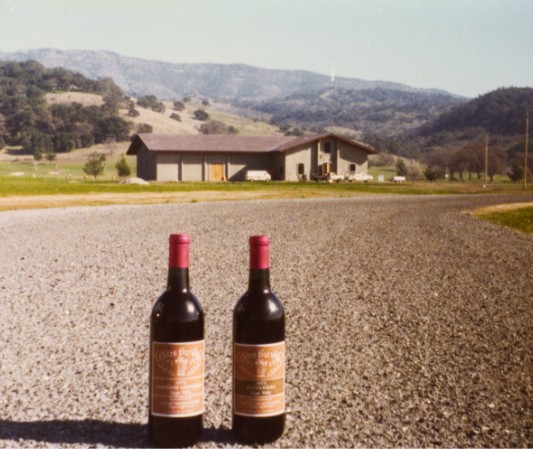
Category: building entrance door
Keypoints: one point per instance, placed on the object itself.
(216, 172)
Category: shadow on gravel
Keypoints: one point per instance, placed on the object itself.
(93, 432)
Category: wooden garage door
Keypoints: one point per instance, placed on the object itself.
(216, 172)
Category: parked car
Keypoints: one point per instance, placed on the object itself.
(257, 175)
(398, 179)
(334, 177)
(364, 177)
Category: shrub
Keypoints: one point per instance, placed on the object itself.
(201, 115)
(94, 165)
(123, 169)
(217, 127)
(145, 128)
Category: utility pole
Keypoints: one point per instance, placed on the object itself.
(525, 152)
(486, 161)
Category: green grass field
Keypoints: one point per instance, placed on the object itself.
(21, 178)
(520, 219)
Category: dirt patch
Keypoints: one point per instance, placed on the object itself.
(101, 199)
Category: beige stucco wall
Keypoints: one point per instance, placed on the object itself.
(301, 155)
(192, 167)
(167, 167)
(349, 155)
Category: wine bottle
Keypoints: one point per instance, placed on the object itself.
(258, 354)
(177, 356)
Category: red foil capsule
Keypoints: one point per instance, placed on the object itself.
(179, 251)
(259, 252)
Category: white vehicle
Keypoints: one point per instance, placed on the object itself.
(257, 175)
(398, 179)
(364, 177)
(334, 177)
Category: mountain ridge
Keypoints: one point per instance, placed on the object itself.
(167, 80)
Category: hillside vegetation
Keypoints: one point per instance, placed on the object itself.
(499, 112)
(29, 120)
(376, 110)
(55, 110)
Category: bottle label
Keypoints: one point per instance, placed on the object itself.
(259, 379)
(178, 379)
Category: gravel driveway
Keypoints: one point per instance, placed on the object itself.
(410, 323)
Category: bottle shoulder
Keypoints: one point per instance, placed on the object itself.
(259, 306)
(175, 305)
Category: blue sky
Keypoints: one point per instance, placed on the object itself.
(468, 47)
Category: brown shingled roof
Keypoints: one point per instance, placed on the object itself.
(229, 143)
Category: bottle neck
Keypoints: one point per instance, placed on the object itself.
(178, 279)
(259, 279)
(178, 262)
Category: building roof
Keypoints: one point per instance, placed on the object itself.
(221, 143)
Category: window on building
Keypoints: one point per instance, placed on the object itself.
(352, 167)
(327, 147)
(301, 169)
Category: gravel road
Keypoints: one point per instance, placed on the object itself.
(410, 323)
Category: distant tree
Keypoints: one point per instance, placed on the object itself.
(50, 156)
(94, 165)
(147, 101)
(132, 112)
(382, 160)
(145, 128)
(123, 169)
(186, 99)
(294, 132)
(175, 116)
(86, 140)
(179, 106)
(159, 107)
(201, 115)
(64, 142)
(401, 167)
(496, 162)
(439, 158)
(217, 127)
(516, 171)
(458, 162)
(205, 102)
(37, 154)
(433, 173)
(34, 141)
(115, 128)
(476, 158)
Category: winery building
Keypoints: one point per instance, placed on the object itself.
(173, 157)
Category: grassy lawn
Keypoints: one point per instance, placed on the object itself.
(520, 218)
(49, 184)
(29, 180)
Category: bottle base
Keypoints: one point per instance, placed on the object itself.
(174, 432)
(258, 430)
